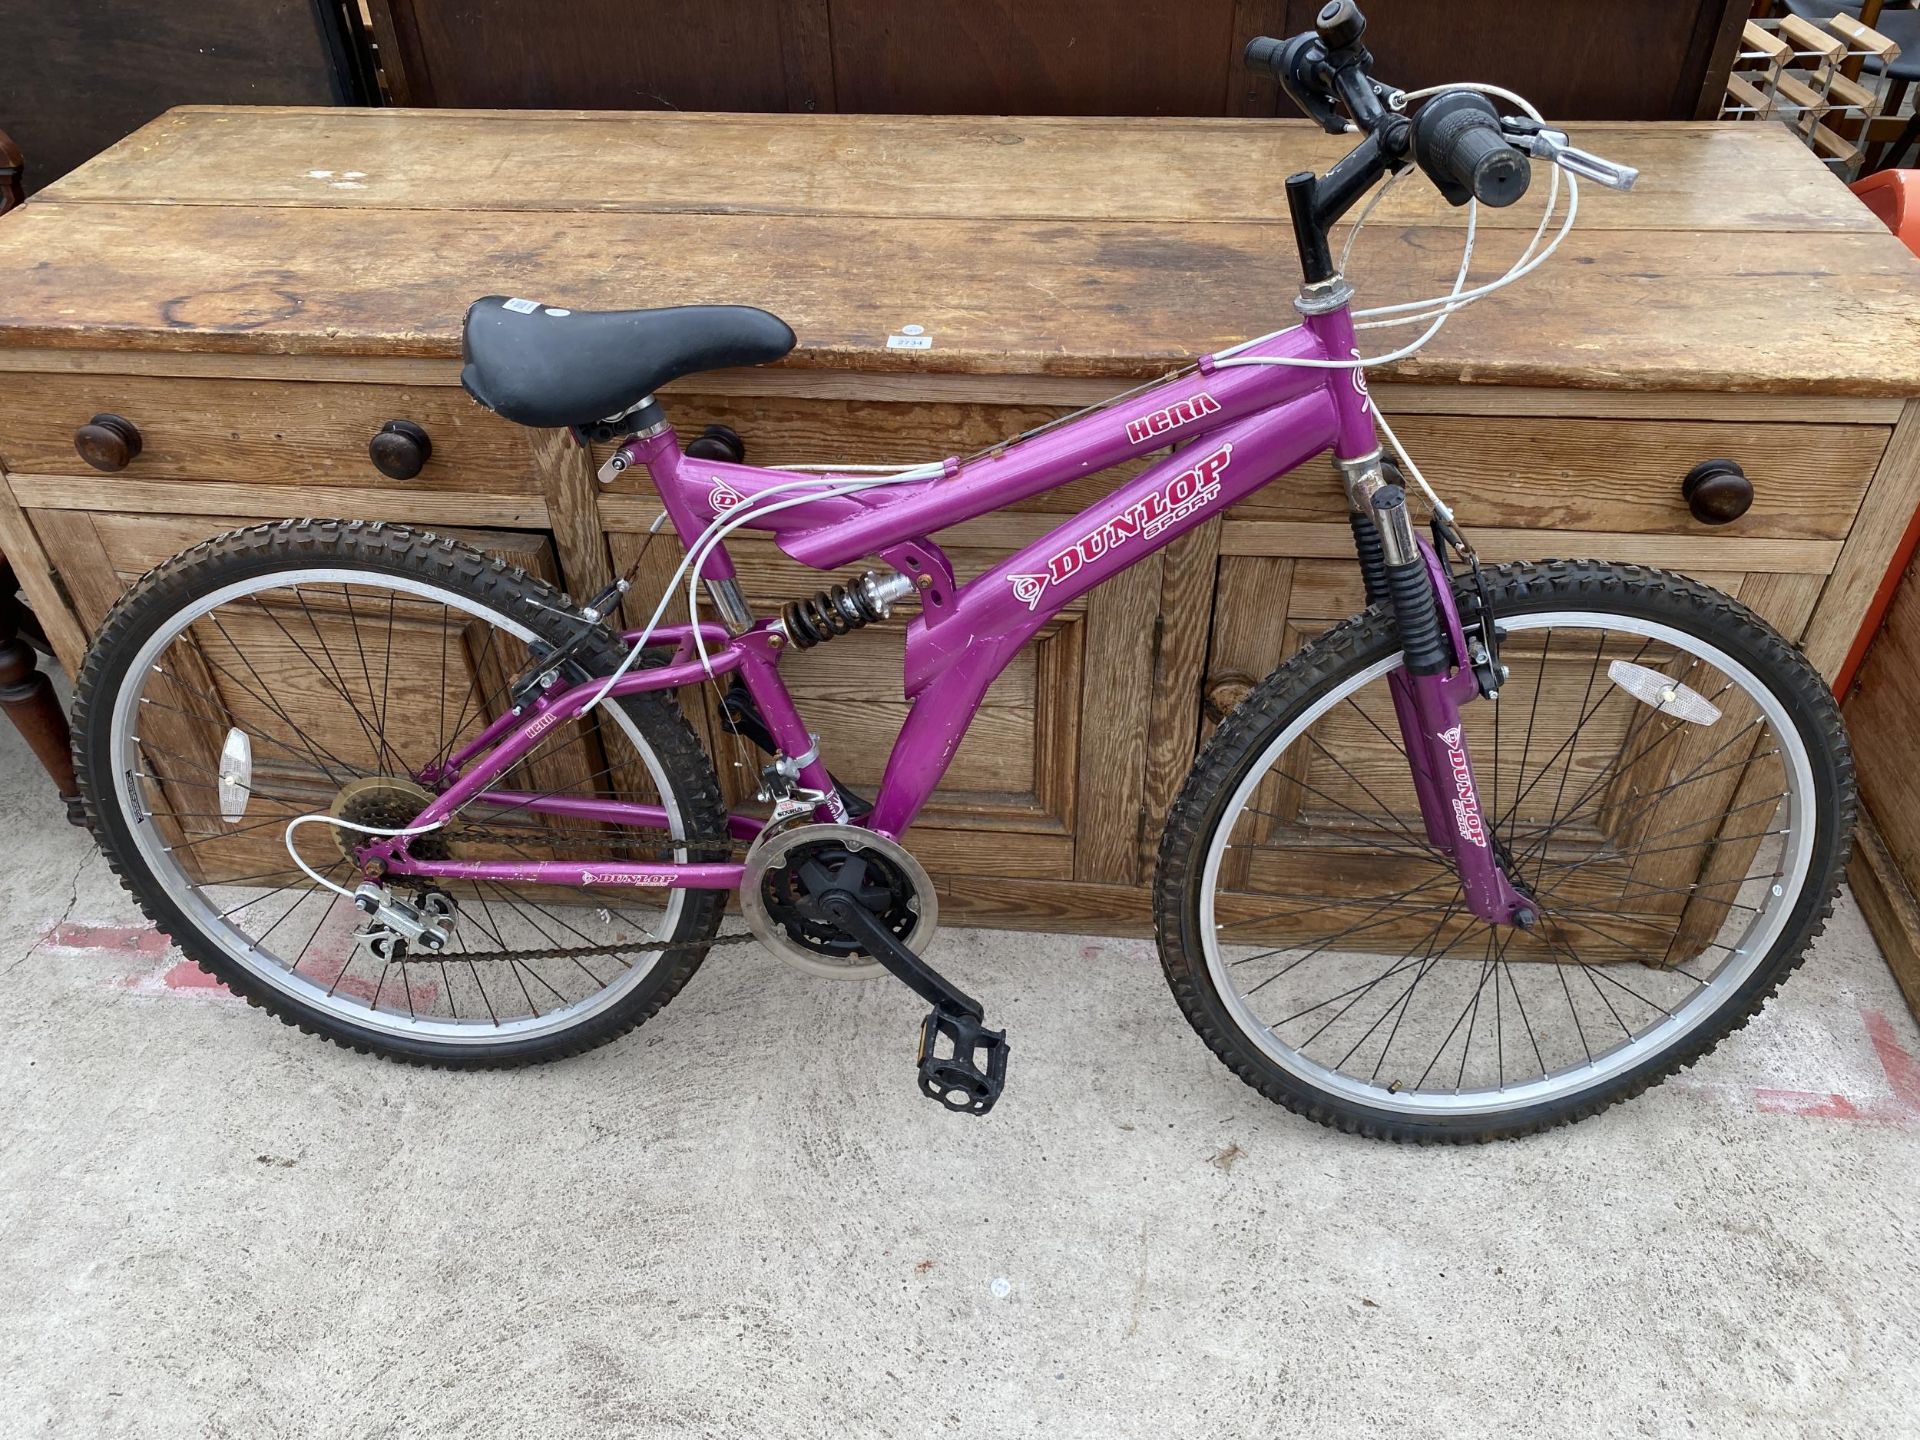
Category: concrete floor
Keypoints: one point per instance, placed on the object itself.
(742, 1221)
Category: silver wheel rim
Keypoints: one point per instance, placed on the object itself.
(1754, 945)
(240, 949)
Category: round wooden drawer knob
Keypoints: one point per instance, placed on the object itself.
(1717, 492)
(401, 450)
(719, 442)
(1224, 691)
(107, 442)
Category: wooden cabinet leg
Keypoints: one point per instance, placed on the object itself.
(27, 696)
(13, 175)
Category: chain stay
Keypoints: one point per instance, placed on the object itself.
(498, 957)
(514, 957)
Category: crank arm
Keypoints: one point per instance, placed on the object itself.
(962, 1063)
(859, 923)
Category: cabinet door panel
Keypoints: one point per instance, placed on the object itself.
(1697, 800)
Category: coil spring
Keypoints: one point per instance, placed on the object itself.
(836, 610)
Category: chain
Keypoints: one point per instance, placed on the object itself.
(456, 831)
(514, 957)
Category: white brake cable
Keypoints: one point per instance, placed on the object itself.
(1358, 362)
(1437, 309)
(1527, 261)
(325, 819)
(724, 524)
(1353, 231)
(852, 469)
(1415, 311)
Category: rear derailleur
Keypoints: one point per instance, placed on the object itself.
(397, 927)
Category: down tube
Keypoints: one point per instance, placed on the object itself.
(951, 663)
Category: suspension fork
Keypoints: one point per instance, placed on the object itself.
(1428, 690)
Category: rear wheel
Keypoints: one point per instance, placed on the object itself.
(1662, 773)
(320, 667)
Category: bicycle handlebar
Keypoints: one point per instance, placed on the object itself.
(1457, 138)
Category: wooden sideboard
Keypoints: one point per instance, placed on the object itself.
(1881, 709)
(259, 291)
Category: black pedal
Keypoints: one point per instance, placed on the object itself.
(963, 1064)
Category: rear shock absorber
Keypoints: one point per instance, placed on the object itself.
(842, 609)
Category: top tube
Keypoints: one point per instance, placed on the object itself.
(838, 530)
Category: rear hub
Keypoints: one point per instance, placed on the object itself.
(383, 802)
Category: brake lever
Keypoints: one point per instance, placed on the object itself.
(1299, 66)
(1544, 144)
(1552, 145)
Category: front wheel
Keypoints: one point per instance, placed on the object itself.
(1662, 772)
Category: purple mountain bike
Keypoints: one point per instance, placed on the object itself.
(1511, 844)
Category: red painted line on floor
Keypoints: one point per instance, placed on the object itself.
(1901, 1107)
(1808, 1104)
(1902, 1070)
(188, 976)
(133, 939)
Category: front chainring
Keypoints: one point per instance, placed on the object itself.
(780, 910)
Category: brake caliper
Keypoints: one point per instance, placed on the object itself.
(1477, 620)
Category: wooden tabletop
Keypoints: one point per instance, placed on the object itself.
(1108, 247)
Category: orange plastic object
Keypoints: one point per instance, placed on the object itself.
(1894, 195)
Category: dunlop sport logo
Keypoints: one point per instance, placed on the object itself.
(1185, 493)
(1466, 805)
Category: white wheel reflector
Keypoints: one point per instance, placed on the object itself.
(236, 774)
(1666, 695)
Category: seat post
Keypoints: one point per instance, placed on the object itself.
(731, 605)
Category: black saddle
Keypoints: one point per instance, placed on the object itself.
(546, 365)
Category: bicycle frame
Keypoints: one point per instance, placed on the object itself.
(1234, 429)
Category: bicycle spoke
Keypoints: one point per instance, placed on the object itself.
(343, 707)
(1613, 813)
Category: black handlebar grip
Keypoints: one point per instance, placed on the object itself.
(1458, 141)
(1263, 53)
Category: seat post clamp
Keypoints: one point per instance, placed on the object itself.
(614, 467)
(642, 422)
